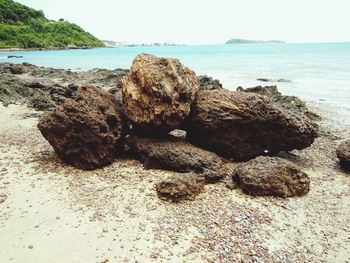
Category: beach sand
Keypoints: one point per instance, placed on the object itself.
(51, 212)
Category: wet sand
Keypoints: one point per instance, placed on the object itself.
(51, 212)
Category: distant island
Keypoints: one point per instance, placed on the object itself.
(247, 41)
(26, 28)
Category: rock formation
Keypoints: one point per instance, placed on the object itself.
(271, 176)
(343, 153)
(180, 187)
(208, 83)
(158, 93)
(242, 125)
(292, 103)
(171, 153)
(85, 130)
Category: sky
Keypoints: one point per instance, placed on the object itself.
(204, 21)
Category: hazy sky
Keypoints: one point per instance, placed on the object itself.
(204, 21)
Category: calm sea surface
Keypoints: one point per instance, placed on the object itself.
(319, 72)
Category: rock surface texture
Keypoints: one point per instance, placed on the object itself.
(180, 187)
(343, 153)
(243, 125)
(171, 153)
(271, 176)
(85, 130)
(158, 93)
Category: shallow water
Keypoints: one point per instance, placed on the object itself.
(319, 72)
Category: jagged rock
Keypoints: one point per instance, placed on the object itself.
(243, 125)
(158, 93)
(171, 153)
(85, 130)
(343, 153)
(208, 83)
(180, 187)
(292, 103)
(271, 176)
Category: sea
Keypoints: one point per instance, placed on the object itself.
(316, 72)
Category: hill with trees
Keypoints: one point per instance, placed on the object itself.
(25, 27)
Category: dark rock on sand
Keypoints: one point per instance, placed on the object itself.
(343, 153)
(180, 187)
(208, 83)
(171, 153)
(271, 176)
(292, 103)
(243, 125)
(158, 93)
(86, 130)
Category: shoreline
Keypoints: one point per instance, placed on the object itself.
(45, 49)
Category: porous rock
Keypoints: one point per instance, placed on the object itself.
(178, 187)
(85, 130)
(343, 153)
(170, 153)
(158, 93)
(242, 125)
(271, 176)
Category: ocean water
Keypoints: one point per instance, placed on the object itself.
(318, 72)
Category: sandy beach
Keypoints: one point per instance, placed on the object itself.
(51, 212)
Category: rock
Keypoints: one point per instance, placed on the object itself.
(180, 187)
(12, 56)
(175, 154)
(343, 153)
(271, 176)
(86, 130)
(158, 93)
(273, 80)
(243, 125)
(208, 83)
(292, 103)
(264, 79)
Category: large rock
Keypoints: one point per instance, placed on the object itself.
(158, 93)
(85, 130)
(208, 83)
(175, 154)
(180, 187)
(243, 125)
(271, 176)
(343, 153)
(291, 103)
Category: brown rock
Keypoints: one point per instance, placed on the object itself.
(180, 187)
(271, 176)
(85, 130)
(343, 153)
(158, 93)
(243, 125)
(175, 154)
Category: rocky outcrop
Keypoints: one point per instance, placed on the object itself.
(208, 83)
(271, 176)
(171, 153)
(158, 93)
(44, 88)
(343, 153)
(292, 103)
(180, 187)
(242, 125)
(273, 80)
(85, 130)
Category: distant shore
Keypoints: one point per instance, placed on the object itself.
(44, 49)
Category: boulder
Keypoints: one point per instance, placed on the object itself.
(170, 153)
(271, 176)
(343, 153)
(242, 125)
(208, 83)
(180, 187)
(158, 93)
(85, 130)
(292, 103)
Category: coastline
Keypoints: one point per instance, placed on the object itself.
(46, 49)
(113, 214)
